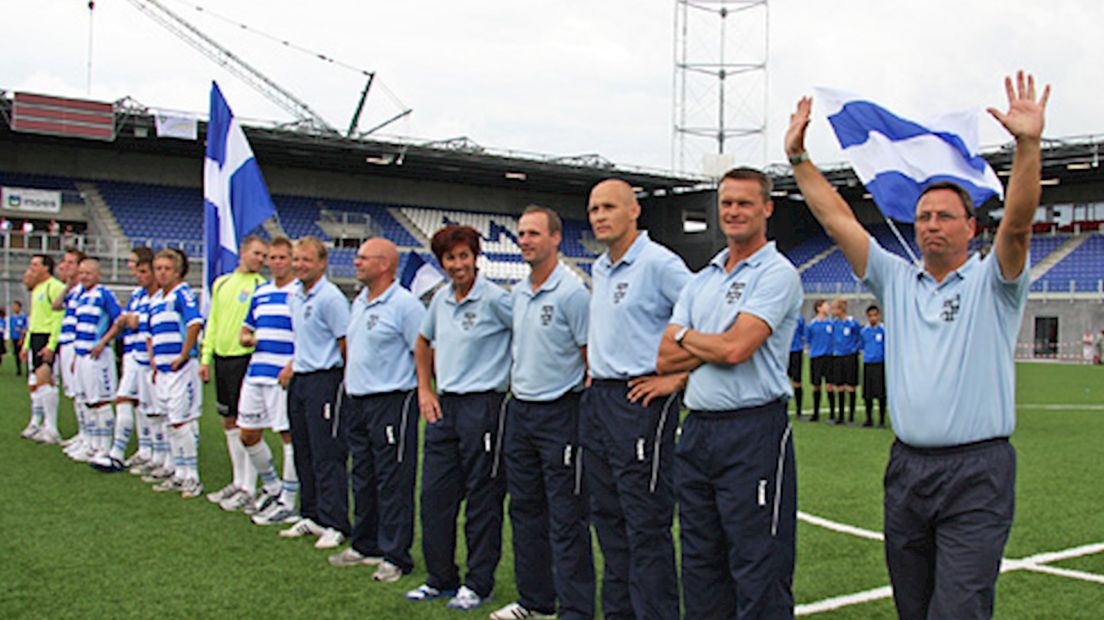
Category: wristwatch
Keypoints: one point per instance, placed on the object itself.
(680, 334)
(799, 158)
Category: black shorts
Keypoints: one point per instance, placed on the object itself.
(229, 374)
(38, 342)
(845, 370)
(820, 369)
(794, 369)
(874, 380)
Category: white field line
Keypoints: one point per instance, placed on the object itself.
(843, 528)
(1040, 406)
(1035, 563)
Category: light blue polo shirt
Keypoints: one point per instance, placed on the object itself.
(549, 327)
(630, 307)
(470, 338)
(949, 348)
(380, 344)
(765, 285)
(319, 317)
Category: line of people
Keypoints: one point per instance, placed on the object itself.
(586, 436)
(833, 343)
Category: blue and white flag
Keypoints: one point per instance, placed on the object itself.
(235, 197)
(896, 158)
(419, 276)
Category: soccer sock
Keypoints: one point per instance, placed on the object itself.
(868, 404)
(261, 458)
(48, 398)
(38, 414)
(193, 434)
(142, 427)
(161, 449)
(850, 407)
(237, 456)
(291, 478)
(816, 403)
(124, 425)
(881, 410)
(832, 405)
(172, 460)
(185, 449)
(104, 423)
(797, 401)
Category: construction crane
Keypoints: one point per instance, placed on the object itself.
(305, 117)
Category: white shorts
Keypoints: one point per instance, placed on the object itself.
(263, 405)
(179, 395)
(95, 378)
(68, 379)
(135, 384)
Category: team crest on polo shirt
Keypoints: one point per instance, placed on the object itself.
(951, 307)
(735, 292)
(307, 312)
(243, 296)
(469, 321)
(619, 291)
(373, 320)
(546, 315)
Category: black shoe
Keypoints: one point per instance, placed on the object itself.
(815, 418)
(868, 424)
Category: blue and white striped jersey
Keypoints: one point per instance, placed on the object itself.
(269, 317)
(132, 338)
(142, 334)
(170, 315)
(96, 310)
(69, 320)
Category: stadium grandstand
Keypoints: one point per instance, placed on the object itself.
(142, 189)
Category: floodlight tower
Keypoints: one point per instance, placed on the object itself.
(720, 84)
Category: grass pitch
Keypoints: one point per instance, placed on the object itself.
(81, 544)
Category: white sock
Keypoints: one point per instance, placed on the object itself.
(160, 439)
(37, 413)
(291, 478)
(48, 397)
(192, 445)
(142, 432)
(237, 455)
(261, 459)
(124, 424)
(82, 422)
(104, 420)
(172, 459)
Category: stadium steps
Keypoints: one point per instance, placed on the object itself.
(102, 217)
(1042, 267)
(574, 267)
(410, 226)
(816, 259)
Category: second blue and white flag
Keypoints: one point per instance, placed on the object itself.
(897, 158)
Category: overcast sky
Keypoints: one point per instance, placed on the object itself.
(564, 77)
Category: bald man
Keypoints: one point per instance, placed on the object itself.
(380, 414)
(629, 414)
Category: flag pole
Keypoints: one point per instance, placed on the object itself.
(897, 233)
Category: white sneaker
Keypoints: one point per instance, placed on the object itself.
(158, 474)
(387, 573)
(141, 469)
(135, 460)
(106, 464)
(29, 430)
(352, 557)
(238, 501)
(191, 489)
(276, 514)
(515, 611)
(222, 493)
(68, 441)
(330, 539)
(426, 592)
(303, 527)
(466, 599)
(46, 436)
(83, 455)
(169, 484)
